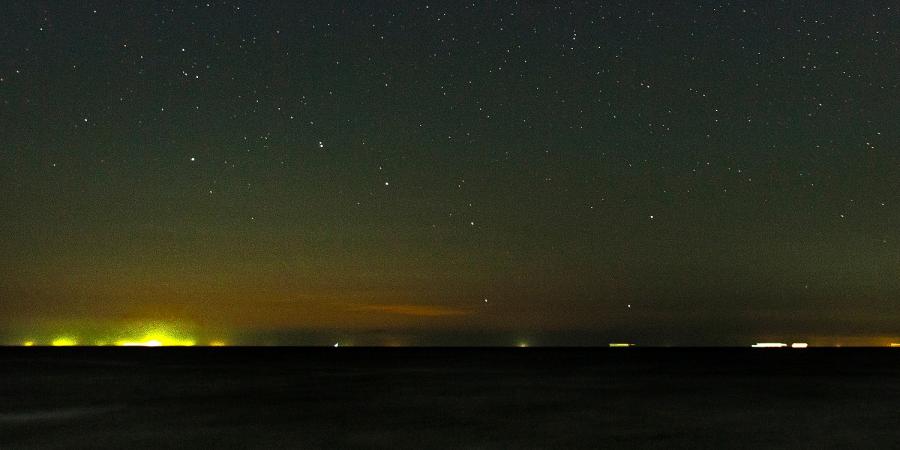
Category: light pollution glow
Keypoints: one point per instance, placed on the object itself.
(140, 335)
(172, 342)
(170, 335)
(64, 342)
(147, 341)
(156, 340)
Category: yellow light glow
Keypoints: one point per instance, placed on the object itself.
(156, 335)
(217, 344)
(28, 344)
(620, 344)
(156, 341)
(895, 344)
(150, 343)
(63, 342)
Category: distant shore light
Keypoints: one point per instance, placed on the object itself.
(162, 341)
(799, 345)
(769, 345)
(64, 342)
(620, 344)
(28, 344)
(150, 343)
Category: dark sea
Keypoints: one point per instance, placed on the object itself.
(479, 398)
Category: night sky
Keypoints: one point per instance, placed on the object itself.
(487, 173)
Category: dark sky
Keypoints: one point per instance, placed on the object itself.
(486, 173)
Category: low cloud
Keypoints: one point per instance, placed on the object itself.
(412, 310)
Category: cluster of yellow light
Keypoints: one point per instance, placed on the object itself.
(63, 342)
(156, 341)
(156, 335)
(150, 343)
(621, 344)
(146, 335)
(895, 344)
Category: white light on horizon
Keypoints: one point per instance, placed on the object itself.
(799, 345)
(769, 345)
(150, 343)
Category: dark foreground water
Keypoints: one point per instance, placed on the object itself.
(448, 398)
